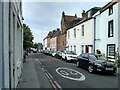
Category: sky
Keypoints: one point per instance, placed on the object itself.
(42, 16)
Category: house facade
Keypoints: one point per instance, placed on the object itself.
(80, 37)
(107, 29)
(11, 43)
(66, 22)
(54, 40)
(45, 43)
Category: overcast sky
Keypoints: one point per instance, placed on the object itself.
(43, 17)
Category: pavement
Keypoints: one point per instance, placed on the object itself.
(32, 76)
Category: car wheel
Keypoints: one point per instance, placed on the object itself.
(90, 69)
(78, 64)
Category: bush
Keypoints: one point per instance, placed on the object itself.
(117, 62)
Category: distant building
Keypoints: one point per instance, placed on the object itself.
(11, 43)
(40, 46)
(55, 40)
(45, 43)
(67, 22)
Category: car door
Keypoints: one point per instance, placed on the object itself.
(63, 55)
(81, 60)
(85, 61)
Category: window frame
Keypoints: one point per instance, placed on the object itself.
(109, 53)
(74, 32)
(68, 34)
(110, 28)
(82, 31)
(110, 10)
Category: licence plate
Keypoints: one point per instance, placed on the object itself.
(109, 68)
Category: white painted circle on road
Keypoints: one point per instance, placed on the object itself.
(70, 74)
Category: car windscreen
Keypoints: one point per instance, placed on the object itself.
(92, 57)
(101, 58)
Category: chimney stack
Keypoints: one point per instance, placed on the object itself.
(84, 15)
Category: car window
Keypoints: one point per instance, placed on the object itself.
(81, 55)
(92, 57)
(74, 53)
(102, 58)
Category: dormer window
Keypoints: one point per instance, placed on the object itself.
(111, 10)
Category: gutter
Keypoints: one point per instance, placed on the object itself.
(9, 49)
(94, 34)
(94, 38)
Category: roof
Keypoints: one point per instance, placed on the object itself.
(82, 21)
(56, 33)
(108, 5)
(69, 18)
(96, 8)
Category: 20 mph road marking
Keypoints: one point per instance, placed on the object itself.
(70, 74)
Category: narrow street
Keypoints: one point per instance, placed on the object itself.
(67, 75)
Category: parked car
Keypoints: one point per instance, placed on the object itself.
(69, 56)
(53, 53)
(35, 50)
(95, 63)
(58, 54)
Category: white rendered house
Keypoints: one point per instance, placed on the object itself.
(107, 30)
(80, 37)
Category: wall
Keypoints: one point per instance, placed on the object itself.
(1, 47)
(104, 40)
(53, 43)
(87, 39)
(119, 26)
(6, 43)
(62, 43)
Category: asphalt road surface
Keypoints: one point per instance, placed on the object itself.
(67, 75)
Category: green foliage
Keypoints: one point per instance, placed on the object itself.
(35, 45)
(27, 37)
(98, 51)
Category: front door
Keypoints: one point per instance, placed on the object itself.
(86, 49)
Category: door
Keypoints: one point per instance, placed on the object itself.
(85, 60)
(86, 49)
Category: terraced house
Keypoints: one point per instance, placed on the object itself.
(80, 38)
(107, 29)
(10, 43)
(99, 29)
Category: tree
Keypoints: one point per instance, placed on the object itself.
(27, 37)
(35, 45)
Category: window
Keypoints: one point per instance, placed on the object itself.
(74, 48)
(63, 42)
(110, 28)
(111, 51)
(111, 10)
(82, 48)
(71, 47)
(68, 34)
(74, 33)
(82, 30)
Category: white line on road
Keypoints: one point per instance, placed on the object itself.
(70, 74)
